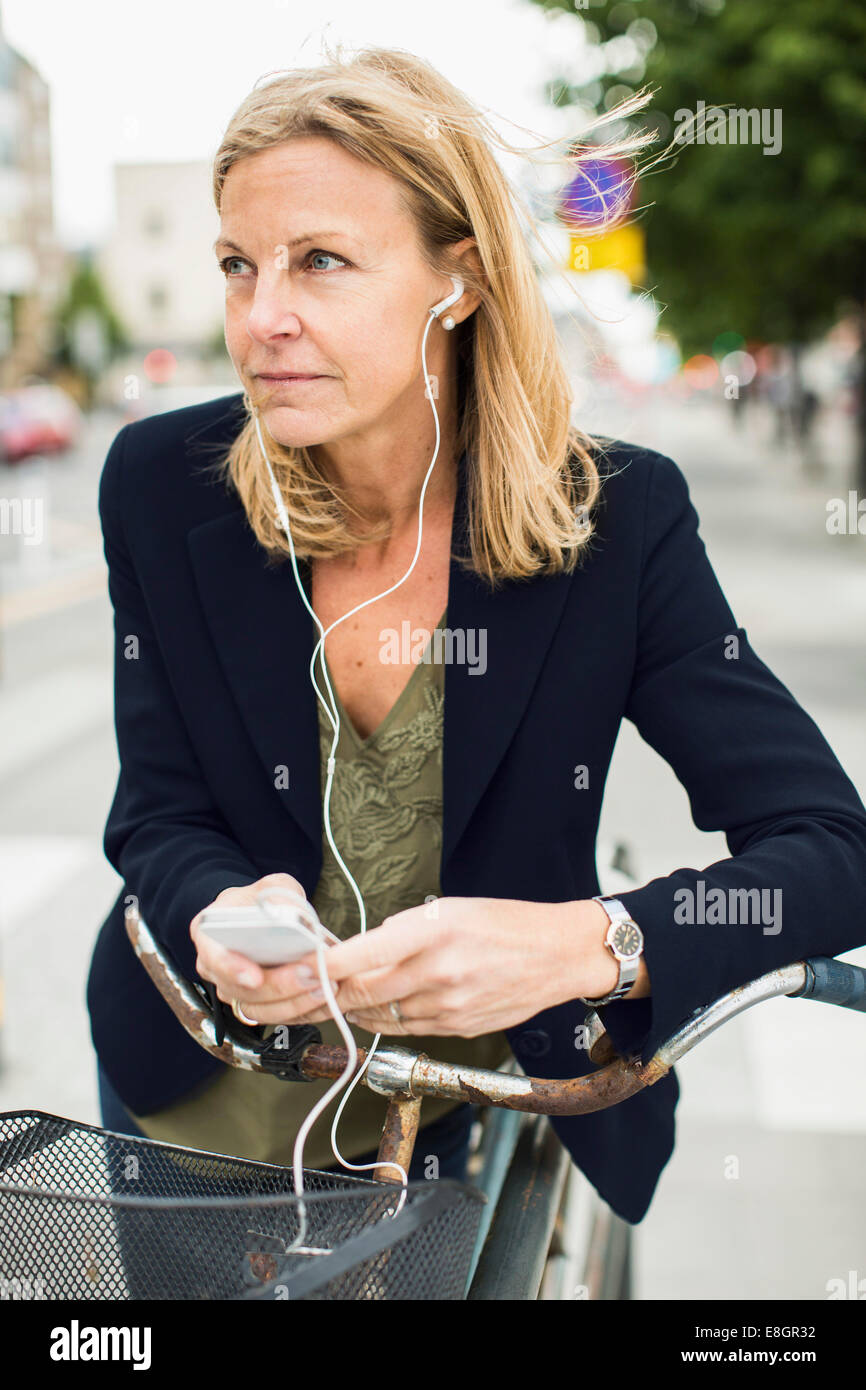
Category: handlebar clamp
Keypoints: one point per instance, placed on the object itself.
(280, 1054)
(285, 1061)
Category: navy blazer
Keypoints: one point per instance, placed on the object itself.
(213, 697)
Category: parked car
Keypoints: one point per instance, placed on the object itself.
(37, 419)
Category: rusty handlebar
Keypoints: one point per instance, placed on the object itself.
(407, 1076)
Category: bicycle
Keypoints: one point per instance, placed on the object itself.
(228, 1228)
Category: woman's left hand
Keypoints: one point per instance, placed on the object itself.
(461, 967)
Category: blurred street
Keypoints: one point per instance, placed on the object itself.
(780, 1088)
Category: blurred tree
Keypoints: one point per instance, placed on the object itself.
(89, 334)
(771, 246)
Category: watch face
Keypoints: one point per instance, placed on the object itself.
(627, 939)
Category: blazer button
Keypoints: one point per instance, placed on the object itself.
(534, 1043)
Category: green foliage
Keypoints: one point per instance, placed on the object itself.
(771, 246)
(86, 291)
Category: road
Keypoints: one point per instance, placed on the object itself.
(761, 1091)
(764, 1196)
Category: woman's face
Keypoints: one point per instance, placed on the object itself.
(325, 278)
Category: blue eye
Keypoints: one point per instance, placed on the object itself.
(329, 255)
(230, 260)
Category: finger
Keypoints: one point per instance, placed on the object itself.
(298, 1009)
(314, 1016)
(285, 982)
(372, 1021)
(320, 1015)
(271, 884)
(263, 983)
(379, 987)
(215, 961)
(386, 1024)
(396, 940)
(400, 1013)
(217, 964)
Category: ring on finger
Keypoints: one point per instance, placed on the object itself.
(396, 1011)
(241, 1016)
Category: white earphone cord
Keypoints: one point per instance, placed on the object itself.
(334, 716)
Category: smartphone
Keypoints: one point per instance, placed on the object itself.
(268, 938)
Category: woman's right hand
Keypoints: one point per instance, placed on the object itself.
(240, 980)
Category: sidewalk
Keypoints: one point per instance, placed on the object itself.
(765, 1196)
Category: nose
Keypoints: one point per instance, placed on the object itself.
(272, 314)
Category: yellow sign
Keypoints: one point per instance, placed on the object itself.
(622, 248)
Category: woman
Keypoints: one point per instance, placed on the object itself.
(466, 792)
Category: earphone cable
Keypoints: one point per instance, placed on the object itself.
(333, 714)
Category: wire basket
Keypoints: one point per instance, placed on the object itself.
(89, 1214)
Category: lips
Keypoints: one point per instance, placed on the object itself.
(288, 376)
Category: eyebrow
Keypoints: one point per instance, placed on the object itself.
(295, 241)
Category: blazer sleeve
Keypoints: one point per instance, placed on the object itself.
(754, 765)
(164, 835)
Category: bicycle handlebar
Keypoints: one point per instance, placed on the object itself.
(397, 1071)
(833, 981)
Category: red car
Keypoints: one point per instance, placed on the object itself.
(37, 419)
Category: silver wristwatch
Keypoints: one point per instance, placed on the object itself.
(624, 939)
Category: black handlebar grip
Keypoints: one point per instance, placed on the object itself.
(835, 982)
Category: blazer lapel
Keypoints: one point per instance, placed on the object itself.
(264, 638)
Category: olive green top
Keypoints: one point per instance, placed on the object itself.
(386, 820)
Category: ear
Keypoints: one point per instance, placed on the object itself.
(466, 258)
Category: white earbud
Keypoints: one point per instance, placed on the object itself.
(448, 321)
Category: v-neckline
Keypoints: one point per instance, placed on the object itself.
(346, 722)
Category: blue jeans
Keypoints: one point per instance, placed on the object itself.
(447, 1137)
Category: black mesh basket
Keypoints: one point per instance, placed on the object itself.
(86, 1213)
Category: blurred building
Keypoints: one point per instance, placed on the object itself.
(158, 265)
(32, 264)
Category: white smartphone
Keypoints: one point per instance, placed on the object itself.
(268, 938)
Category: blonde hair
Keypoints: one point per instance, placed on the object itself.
(532, 480)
